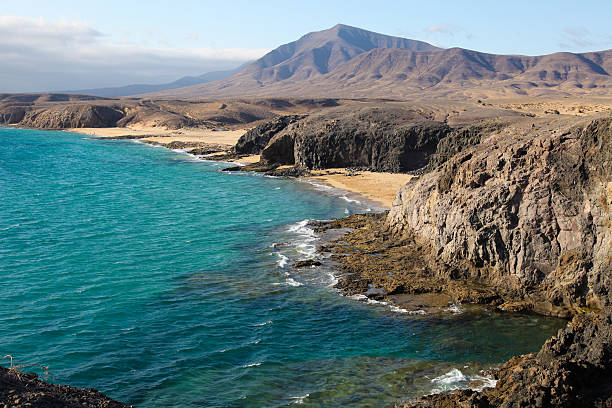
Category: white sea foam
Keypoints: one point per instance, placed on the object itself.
(350, 200)
(263, 324)
(393, 308)
(251, 365)
(292, 282)
(283, 261)
(300, 399)
(301, 228)
(455, 308)
(455, 380)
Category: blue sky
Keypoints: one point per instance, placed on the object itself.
(71, 45)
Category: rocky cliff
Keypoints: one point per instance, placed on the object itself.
(256, 139)
(73, 116)
(380, 138)
(527, 211)
(517, 215)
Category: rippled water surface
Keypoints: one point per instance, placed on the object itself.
(152, 277)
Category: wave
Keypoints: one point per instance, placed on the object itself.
(283, 261)
(456, 380)
(262, 324)
(454, 309)
(350, 200)
(251, 365)
(396, 309)
(292, 282)
(299, 399)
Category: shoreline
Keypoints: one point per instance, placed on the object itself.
(378, 188)
(340, 174)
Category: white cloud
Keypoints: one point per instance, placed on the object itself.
(447, 29)
(39, 54)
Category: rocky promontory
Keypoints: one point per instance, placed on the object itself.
(515, 215)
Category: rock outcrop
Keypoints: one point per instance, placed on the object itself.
(19, 390)
(573, 369)
(73, 116)
(377, 138)
(256, 139)
(527, 211)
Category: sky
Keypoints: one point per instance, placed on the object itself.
(66, 45)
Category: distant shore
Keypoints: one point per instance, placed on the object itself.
(378, 187)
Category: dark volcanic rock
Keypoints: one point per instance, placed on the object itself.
(306, 263)
(253, 141)
(378, 138)
(73, 116)
(573, 369)
(26, 390)
(280, 149)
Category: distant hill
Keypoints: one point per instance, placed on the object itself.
(350, 62)
(136, 89)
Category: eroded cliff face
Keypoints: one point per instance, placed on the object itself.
(527, 210)
(256, 139)
(73, 116)
(378, 138)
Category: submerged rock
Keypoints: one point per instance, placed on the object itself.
(306, 263)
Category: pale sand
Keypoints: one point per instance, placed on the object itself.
(378, 187)
(163, 136)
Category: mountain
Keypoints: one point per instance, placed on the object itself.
(136, 89)
(346, 61)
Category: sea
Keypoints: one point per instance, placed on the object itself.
(160, 280)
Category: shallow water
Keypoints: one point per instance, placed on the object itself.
(151, 276)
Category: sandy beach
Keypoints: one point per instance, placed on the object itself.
(164, 136)
(376, 186)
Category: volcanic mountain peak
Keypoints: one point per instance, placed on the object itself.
(319, 52)
(346, 61)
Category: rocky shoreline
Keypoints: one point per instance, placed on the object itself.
(512, 212)
(19, 390)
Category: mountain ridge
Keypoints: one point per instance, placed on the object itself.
(346, 61)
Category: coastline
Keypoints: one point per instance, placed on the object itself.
(379, 188)
(340, 174)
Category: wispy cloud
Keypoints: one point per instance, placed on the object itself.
(579, 37)
(40, 54)
(447, 31)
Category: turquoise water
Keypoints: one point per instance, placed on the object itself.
(151, 276)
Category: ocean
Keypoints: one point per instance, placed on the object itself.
(154, 277)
